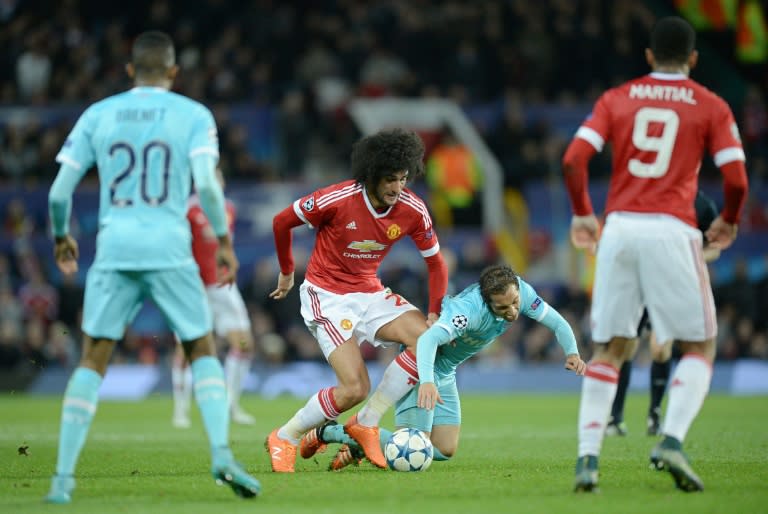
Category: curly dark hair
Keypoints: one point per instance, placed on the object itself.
(495, 279)
(387, 152)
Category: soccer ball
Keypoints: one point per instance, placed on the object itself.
(408, 449)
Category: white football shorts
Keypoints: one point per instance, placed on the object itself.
(334, 318)
(228, 309)
(656, 261)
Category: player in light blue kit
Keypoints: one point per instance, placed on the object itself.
(468, 322)
(148, 144)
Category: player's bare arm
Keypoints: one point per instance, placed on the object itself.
(227, 261)
(574, 363)
(585, 232)
(428, 396)
(284, 285)
(66, 253)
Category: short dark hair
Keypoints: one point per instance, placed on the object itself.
(496, 279)
(672, 40)
(153, 53)
(385, 153)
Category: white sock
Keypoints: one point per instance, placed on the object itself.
(236, 368)
(688, 387)
(597, 392)
(399, 378)
(319, 408)
(181, 378)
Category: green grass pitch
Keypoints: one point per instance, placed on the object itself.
(516, 455)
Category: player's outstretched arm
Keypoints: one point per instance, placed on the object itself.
(574, 363)
(426, 350)
(565, 338)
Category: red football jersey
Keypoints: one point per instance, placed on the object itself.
(353, 238)
(204, 240)
(659, 127)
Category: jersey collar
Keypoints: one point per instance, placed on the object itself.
(372, 209)
(668, 76)
(148, 89)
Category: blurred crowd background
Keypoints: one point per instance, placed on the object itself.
(279, 75)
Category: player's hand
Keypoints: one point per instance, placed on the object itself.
(721, 234)
(227, 263)
(585, 232)
(574, 363)
(431, 319)
(284, 285)
(428, 396)
(66, 252)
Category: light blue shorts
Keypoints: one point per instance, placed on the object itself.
(113, 298)
(407, 414)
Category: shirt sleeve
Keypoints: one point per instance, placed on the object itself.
(724, 141)
(60, 197)
(209, 191)
(204, 138)
(310, 212)
(533, 306)
(423, 232)
(596, 129)
(426, 350)
(77, 152)
(76, 157)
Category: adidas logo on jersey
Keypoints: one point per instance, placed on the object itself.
(351, 226)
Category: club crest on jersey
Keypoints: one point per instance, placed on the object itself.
(459, 321)
(536, 303)
(369, 245)
(308, 204)
(346, 324)
(394, 231)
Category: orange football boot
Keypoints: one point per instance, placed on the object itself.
(368, 439)
(346, 456)
(282, 453)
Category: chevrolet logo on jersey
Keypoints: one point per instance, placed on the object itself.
(369, 245)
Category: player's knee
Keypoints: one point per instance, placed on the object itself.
(350, 394)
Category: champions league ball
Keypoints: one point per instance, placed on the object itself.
(408, 449)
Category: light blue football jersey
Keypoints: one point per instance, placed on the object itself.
(142, 142)
(472, 326)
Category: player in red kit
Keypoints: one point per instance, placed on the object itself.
(230, 320)
(343, 302)
(650, 251)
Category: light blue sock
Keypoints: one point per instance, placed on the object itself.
(78, 409)
(211, 398)
(437, 455)
(336, 434)
(384, 436)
